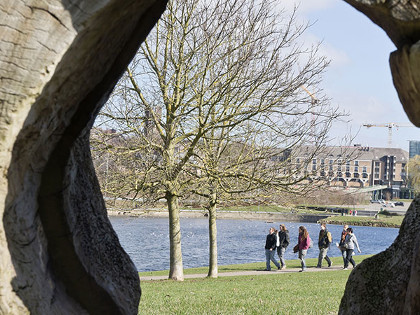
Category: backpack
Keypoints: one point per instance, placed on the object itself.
(329, 237)
(326, 239)
(310, 242)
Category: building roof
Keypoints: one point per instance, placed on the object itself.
(353, 153)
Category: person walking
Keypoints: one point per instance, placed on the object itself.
(341, 244)
(270, 247)
(304, 242)
(283, 241)
(349, 243)
(324, 241)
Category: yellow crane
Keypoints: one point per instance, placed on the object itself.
(314, 100)
(390, 126)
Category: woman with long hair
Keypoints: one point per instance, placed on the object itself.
(304, 241)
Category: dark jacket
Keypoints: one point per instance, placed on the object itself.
(270, 242)
(324, 241)
(284, 239)
(343, 238)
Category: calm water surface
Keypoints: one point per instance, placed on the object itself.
(146, 240)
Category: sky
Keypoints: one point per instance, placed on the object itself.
(358, 79)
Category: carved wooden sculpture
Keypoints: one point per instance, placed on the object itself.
(59, 60)
(389, 283)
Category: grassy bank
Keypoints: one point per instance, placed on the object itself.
(381, 221)
(301, 209)
(276, 293)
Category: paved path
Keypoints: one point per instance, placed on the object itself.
(246, 273)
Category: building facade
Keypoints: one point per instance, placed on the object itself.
(413, 148)
(357, 167)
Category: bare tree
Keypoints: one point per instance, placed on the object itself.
(253, 160)
(126, 167)
(206, 67)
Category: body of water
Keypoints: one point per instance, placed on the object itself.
(146, 240)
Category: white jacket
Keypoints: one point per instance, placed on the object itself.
(350, 241)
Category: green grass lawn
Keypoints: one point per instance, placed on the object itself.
(276, 293)
(383, 220)
(253, 208)
(272, 208)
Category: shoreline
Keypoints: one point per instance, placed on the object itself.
(252, 215)
(245, 215)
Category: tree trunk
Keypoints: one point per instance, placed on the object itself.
(387, 283)
(176, 269)
(213, 272)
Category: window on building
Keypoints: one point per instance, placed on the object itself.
(356, 169)
(356, 163)
(364, 169)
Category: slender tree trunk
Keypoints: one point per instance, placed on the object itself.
(213, 272)
(176, 269)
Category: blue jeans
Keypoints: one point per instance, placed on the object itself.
(269, 255)
(344, 254)
(302, 254)
(349, 258)
(280, 252)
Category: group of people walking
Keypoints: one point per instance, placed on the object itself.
(280, 240)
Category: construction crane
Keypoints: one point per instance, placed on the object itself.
(390, 126)
(314, 99)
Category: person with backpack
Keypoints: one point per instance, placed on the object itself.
(304, 243)
(324, 241)
(283, 241)
(270, 247)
